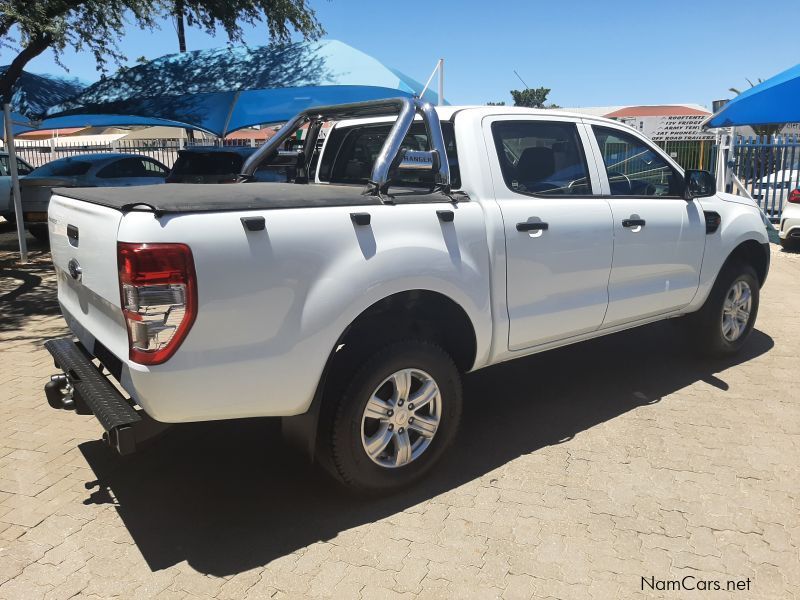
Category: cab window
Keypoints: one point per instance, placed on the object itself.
(633, 167)
(351, 152)
(541, 158)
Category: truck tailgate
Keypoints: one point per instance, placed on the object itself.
(83, 240)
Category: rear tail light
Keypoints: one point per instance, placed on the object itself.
(159, 298)
(794, 196)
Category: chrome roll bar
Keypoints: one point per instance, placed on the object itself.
(405, 108)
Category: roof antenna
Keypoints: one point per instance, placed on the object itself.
(522, 80)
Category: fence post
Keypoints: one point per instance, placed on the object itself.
(722, 160)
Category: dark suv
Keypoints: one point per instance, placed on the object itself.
(219, 165)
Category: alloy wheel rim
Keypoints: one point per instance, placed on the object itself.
(736, 310)
(401, 418)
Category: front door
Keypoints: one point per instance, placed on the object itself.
(558, 235)
(659, 237)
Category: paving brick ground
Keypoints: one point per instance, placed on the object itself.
(578, 473)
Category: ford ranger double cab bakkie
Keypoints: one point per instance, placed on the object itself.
(412, 245)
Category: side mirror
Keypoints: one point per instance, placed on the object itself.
(699, 184)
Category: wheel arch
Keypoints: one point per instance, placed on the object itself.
(410, 314)
(754, 253)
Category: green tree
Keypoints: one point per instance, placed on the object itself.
(230, 15)
(768, 130)
(29, 27)
(532, 97)
(496, 103)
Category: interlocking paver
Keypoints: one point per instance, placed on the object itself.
(630, 457)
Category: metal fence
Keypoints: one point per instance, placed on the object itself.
(768, 169)
(164, 150)
(692, 154)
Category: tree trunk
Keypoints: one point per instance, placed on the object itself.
(179, 25)
(36, 46)
(180, 28)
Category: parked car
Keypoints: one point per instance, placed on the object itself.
(213, 164)
(86, 170)
(6, 202)
(351, 308)
(771, 191)
(789, 232)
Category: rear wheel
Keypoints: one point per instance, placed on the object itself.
(39, 231)
(722, 326)
(790, 244)
(398, 415)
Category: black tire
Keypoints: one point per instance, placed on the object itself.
(706, 324)
(790, 244)
(346, 458)
(39, 231)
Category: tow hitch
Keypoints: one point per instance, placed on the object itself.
(59, 392)
(83, 388)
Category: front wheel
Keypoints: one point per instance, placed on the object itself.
(398, 415)
(728, 315)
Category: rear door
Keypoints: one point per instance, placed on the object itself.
(558, 234)
(659, 237)
(83, 242)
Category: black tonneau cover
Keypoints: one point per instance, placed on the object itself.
(186, 198)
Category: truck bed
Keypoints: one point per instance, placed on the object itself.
(189, 198)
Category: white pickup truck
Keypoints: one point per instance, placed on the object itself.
(413, 245)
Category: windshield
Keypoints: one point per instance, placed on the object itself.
(65, 167)
(208, 163)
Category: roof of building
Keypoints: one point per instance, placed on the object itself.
(650, 110)
(664, 110)
(252, 134)
(48, 133)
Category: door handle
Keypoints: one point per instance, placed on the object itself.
(633, 222)
(532, 226)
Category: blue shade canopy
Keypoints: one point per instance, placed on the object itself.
(226, 89)
(19, 124)
(776, 100)
(34, 94)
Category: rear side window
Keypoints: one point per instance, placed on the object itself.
(23, 168)
(351, 153)
(208, 163)
(131, 167)
(633, 167)
(63, 168)
(542, 158)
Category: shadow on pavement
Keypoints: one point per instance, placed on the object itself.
(25, 290)
(229, 496)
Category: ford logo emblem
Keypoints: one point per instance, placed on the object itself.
(75, 270)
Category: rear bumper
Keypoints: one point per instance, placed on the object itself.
(790, 227)
(82, 387)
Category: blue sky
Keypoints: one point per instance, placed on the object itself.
(588, 53)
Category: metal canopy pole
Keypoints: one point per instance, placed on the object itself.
(441, 82)
(12, 165)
